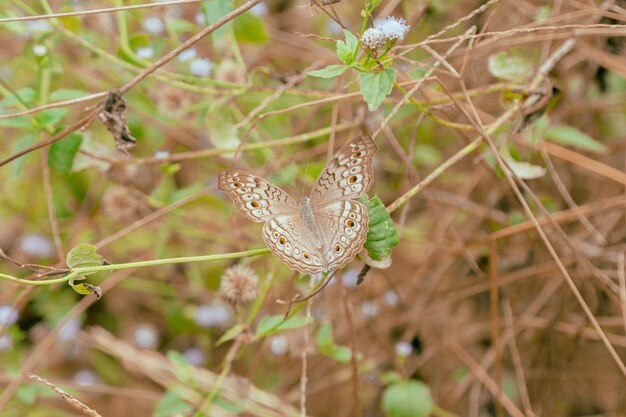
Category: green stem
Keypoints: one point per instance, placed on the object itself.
(131, 265)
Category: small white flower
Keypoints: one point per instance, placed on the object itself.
(369, 309)
(146, 336)
(187, 54)
(279, 345)
(211, 315)
(195, 356)
(161, 154)
(5, 343)
(37, 245)
(201, 67)
(259, 10)
(40, 50)
(69, 330)
(85, 377)
(145, 53)
(200, 19)
(393, 28)
(350, 278)
(373, 38)
(391, 297)
(38, 25)
(404, 349)
(333, 27)
(153, 25)
(8, 315)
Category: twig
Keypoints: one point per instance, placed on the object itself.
(70, 399)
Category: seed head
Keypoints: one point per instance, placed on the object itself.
(239, 285)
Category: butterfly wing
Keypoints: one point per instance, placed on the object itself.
(348, 175)
(256, 198)
(288, 239)
(344, 227)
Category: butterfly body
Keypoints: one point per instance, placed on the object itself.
(322, 232)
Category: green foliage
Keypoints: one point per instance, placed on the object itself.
(407, 399)
(275, 324)
(568, 135)
(83, 256)
(326, 345)
(249, 28)
(61, 153)
(509, 67)
(330, 71)
(346, 51)
(382, 235)
(375, 86)
(171, 404)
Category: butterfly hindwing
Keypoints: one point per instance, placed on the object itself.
(349, 173)
(287, 238)
(256, 198)
(344, 224)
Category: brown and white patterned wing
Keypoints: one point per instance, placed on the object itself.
(348, 175)
(287, 238)
(256, 198)
(344, 227)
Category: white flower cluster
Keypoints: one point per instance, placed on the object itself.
(388, 30)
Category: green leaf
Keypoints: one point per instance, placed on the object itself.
(375, 86)
(25, 95)
(230, 334)
(214, 10)
(52, 116)
(382, 235)
(85, 288)
(276, 324)
(67, 94)
(509, 67)
(84, 256)
(250, 28)
(342, 354)
(328, 72)
(22, 143)
(407, 399)
(568, 135)
(524, 170)
(370, 5)
(324, 337)
(346, 51)
(61, 154)
(172, 405)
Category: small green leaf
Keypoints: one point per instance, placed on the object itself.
(52, 117)
(172, 405)
(66, 94)
(524, 170)
(407, 399)
(375, 86)
(324, 337)
(83, 256)
(250, 28)
(21, 144)
(370, 5)
(568, 135)
(346, 51)
(61, 154)
(328, 72)
(212, 11)
(382, 235)
(275, 324)
(230, 334)
(342, 354)
(85, 288)
(509, 67)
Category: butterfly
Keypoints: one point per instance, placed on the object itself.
(322, 232)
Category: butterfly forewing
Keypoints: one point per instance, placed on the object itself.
(256, 198)
(348, 175)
